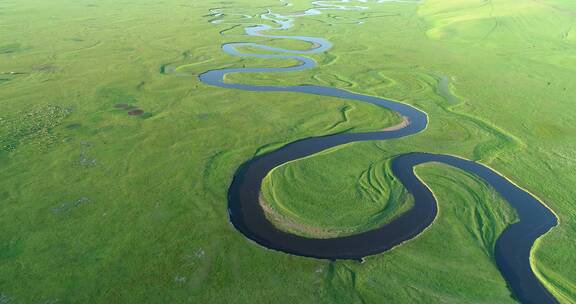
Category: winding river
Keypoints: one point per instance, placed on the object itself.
(513, 247)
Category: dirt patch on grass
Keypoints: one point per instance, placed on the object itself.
(315, 45)
(136, 112)
(405, 122)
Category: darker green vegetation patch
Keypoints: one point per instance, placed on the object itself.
(4, 80)
(11, 48)
(10, 248)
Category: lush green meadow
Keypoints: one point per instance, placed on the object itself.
(101, 206)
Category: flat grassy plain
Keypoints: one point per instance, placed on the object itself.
(337, 200)
(101, 206)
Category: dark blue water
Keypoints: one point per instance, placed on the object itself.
(513, 247)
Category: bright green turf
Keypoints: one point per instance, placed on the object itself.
(339, 198)
(425, 270)
(99, 206)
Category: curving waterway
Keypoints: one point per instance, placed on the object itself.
(513, 247)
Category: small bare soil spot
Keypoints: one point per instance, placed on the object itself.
(136, 112)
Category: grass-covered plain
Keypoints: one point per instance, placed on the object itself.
(101, 206)
(338, 200)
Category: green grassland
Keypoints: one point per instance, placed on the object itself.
(100, 206)
(339, 199)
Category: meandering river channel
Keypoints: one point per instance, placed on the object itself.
(513, 247)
